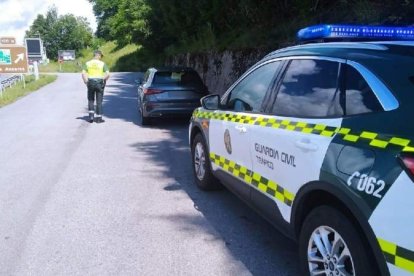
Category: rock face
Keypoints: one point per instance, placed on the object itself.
(219, 70)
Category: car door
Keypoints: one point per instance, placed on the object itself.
(290, 143)
(229, 130)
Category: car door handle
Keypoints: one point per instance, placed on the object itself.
(306, 145)
(241, 129)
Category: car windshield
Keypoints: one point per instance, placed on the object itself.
(186, 78)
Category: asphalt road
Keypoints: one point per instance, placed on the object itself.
(117, 198)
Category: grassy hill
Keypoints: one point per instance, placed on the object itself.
(114, 57)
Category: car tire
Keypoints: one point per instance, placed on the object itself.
(203, 175)
(349, 254)
(145, 121)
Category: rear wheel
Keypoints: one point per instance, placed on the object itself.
(144, 120)
(201, 165)
(329, 244)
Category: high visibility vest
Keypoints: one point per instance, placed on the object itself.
(95, 69)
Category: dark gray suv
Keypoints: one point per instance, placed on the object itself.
(170, 91)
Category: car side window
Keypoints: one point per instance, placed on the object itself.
(310, 88)
(359, 96)
(249, 93)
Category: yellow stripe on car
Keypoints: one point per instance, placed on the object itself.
(397, 255)
(371, 138)
(265, 185)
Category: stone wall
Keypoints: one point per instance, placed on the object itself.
(219, 70)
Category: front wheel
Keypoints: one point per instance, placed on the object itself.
(330, 244)
(201, 165)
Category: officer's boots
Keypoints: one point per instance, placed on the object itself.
(99, 120)
(90, 118)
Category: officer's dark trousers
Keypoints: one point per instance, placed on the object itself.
(95, 90)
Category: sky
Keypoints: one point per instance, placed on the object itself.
(18, 15)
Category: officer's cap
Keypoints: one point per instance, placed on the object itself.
(98, 52)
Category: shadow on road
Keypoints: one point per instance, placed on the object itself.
(250, 239)
(120, 98)
(83, 118)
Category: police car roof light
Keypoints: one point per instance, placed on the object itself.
(357, 32)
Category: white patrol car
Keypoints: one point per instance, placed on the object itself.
(317, 139)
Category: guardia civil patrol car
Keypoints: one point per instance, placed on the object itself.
(318, 139)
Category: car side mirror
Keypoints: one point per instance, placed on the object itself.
(211, 102)
(139, 81)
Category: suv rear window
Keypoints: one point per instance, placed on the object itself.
(188, 78)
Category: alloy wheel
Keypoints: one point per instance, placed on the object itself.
(328, 254)
(200, 161)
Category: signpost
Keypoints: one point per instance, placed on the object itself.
(7, 40)
(13, 59)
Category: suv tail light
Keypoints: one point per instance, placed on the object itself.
(407, 162)
(151, 91)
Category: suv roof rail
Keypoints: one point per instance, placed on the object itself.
(339, 45)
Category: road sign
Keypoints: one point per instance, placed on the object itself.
(13, 59)
(34, 47)
(7, 40)
(66, 55)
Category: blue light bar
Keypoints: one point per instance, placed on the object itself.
(358, 32)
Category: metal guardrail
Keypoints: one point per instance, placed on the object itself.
(9, 81)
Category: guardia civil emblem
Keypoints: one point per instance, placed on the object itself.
(227, 141)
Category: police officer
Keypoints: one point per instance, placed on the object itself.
(95, 74)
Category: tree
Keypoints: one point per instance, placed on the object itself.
(201, 25)
(130, 24)
(42, 25)
(65, 32)
(104, 11)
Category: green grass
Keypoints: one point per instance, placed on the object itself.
(66, 67)
(139, 60)
(112, 55)
(17, 91)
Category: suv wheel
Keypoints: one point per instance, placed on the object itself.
(201, 165)
(329, 244)
(144, 120)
